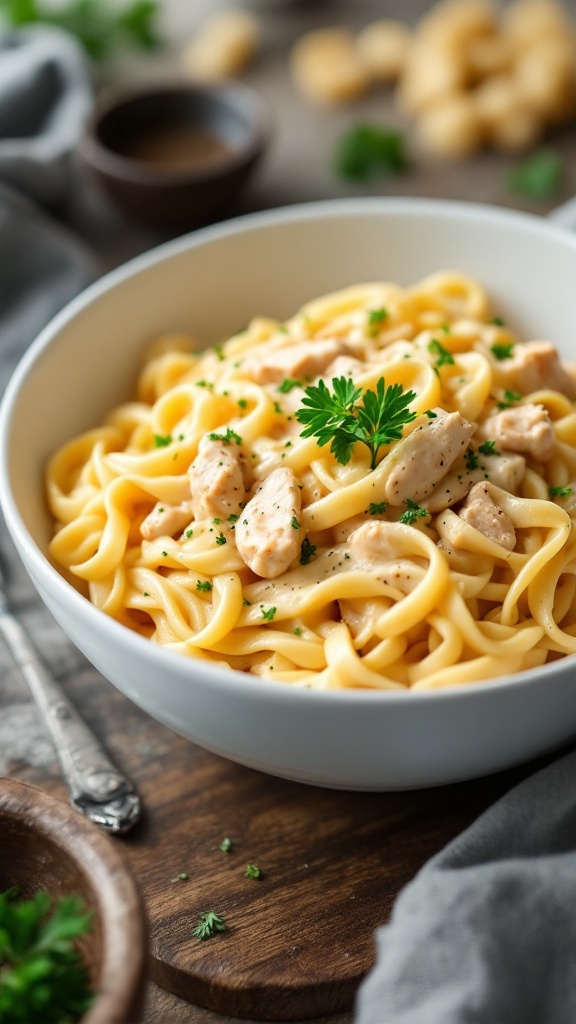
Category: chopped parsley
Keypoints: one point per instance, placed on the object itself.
(288, 384)
(376, 318)
(204, 585)
(161, 440)
(488, 448)
(502, 351)
(499, 321)
(226, 845)
(376, 508)
(297, 631)
(337, 418)
(243, 403)
(268, 613)
(559, 492)
(220, 539)
(210, 924)
(307, 551)
(226, 438)
(472, 461)
(510, 397)
(219, 352)
(443, 356)
(431, 414)
(189, 533)
(294, 523)
(413, 512)
(253, 871)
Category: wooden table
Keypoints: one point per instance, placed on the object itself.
(298, 168)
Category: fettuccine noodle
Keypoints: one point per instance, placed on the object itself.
(200, 517)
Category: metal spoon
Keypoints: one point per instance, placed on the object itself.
(97, 789)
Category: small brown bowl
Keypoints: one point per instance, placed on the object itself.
(176, 155)
(45, 844)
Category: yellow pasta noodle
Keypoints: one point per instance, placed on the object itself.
(209, 516)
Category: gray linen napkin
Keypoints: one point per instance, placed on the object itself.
(486, 931)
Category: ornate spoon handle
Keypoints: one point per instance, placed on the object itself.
(96, 787)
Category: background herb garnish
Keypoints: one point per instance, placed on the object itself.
(42, 976)
(539, 177)
(560, 492)
(502, 351)
(337, 418)
(367, 152)
(253, 871)
(443, 356)
(100, 26)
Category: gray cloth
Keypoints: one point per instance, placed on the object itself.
(486, 931)
(45, 98)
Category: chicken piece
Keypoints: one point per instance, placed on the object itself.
(534, 365)
(486, 516)
(506, 471)
(166, 520)
(421, 460)
(302, 361)
(216, 479)
(523, 428)
(371, 545)
(268, 534)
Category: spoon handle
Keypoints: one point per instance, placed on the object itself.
(96, 787)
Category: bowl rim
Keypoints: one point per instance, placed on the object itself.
(229, 679)
(117, 899)
(107, 161)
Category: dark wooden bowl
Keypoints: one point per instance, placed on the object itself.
(45, 844)
(180, 192)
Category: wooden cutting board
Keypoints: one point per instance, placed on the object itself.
(299, 940)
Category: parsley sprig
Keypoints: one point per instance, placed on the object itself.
(42, 974)
(337, 418)
(209, 924)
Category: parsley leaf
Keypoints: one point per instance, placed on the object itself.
(42, 974)
(413, 512)
(287, 384)
(376, 508)
(502, 351)
(253, 871)
(210, 924)
(226, 438)
(488, 448)
(161, 441)
(204, 585)
(376, 318)
(510, 397)
(471, 459)
(269, 613)
(337, 418)
(559, 492)
(443, 356)
(367, 152)
(307, 551)
(539, 177)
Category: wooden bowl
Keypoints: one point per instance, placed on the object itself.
(45, 844)
(176, 155)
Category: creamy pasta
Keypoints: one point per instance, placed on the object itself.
(210, 517)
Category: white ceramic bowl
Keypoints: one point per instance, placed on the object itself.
(210, 283)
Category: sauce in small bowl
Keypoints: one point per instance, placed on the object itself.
(176, 155)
